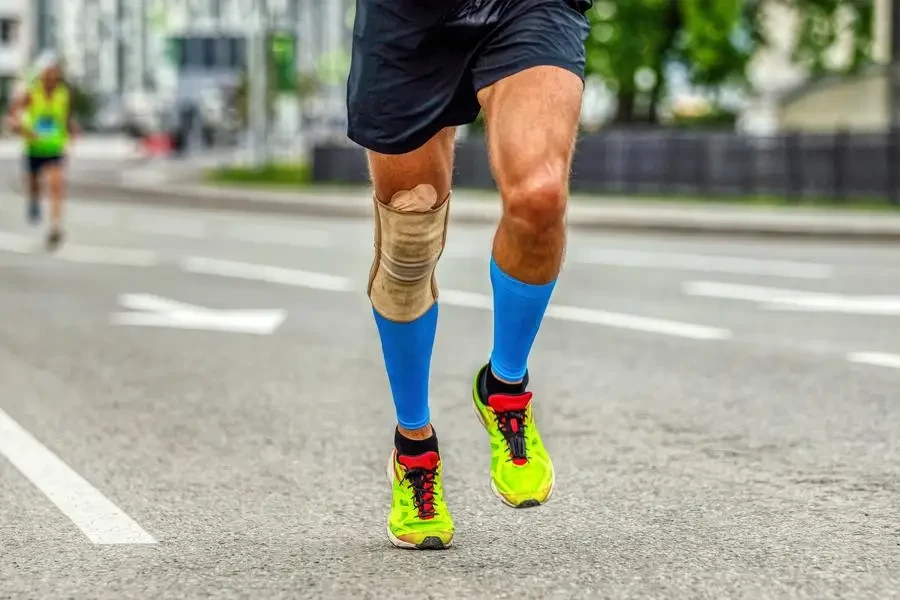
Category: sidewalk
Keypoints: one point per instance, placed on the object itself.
(606, 213)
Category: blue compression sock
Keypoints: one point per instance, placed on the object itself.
(518, 311)
(407, 351)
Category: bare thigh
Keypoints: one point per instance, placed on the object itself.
(54, 176)
(532, 122)
(430, 164)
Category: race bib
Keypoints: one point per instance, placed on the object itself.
(45, 126)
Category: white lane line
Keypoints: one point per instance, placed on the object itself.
(637, 323)
(269, 273)
(576, 314)
(796, 300)
(16, 243)
(591, 316)
(92, 512)
(704, 263)
(155, 311)
(734, 291)
(156, 304)
(876, 359)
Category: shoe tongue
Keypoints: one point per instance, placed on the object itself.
(429, 461)
(509, 402)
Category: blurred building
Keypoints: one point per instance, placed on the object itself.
(140, 51)
(786, 98)
(14, 45)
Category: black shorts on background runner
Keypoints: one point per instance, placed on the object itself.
(417, 64)
(35, 164)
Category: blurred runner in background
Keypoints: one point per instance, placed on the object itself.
(42, 116)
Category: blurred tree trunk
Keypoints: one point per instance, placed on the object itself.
(625, 108)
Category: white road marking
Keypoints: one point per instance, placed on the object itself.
(699, 262)
(877, 359)
(161, 312)
(92, 512)
(734, 291)
(577, 314)
(323, 281)
(149, 303)
(885, 306)
(17, 243)
(637, 323)
(796, 300)
(269, 273)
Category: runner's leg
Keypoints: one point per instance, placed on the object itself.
(54, 171)
(532, 112)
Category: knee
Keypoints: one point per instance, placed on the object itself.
(409, 239)
(55, 179)
(536, 201)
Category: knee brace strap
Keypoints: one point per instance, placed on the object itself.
(402, 286)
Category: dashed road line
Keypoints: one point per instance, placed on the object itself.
(267, 273)
(875, 359)
(323, 281)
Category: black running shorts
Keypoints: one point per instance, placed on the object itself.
(35, 164)
(417, 64)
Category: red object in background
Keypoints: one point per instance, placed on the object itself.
(157, 144)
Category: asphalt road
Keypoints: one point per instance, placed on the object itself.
(723, 416)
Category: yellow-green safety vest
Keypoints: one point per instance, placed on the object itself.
(48, 117)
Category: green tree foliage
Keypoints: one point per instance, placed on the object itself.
(822, 21)
(633, 43)
(627, 37)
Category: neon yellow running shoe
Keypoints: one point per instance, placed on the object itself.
(521, 470)
(419, 518)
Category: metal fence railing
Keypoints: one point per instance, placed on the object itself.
(834, 168)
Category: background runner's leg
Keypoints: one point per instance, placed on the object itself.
(33, 190)
(55, 174)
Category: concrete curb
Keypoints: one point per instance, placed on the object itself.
(636, 216)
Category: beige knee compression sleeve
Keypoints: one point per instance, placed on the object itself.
(409, 238)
